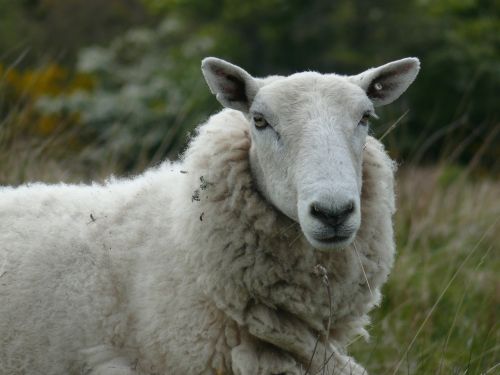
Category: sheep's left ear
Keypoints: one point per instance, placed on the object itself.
(233, 87)
(386, 83)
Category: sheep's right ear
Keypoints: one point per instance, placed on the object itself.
(386, 83)
(232, 86)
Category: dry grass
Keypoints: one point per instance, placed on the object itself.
(441, 306)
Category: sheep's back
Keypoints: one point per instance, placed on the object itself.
(66, 253)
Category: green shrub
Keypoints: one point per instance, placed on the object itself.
(148, 94)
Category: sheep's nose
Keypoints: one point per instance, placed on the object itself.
(332, 216)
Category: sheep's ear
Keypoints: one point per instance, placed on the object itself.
(386, 83)
(233, 87)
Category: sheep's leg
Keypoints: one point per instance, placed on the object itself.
(252, 357)
(291, 335)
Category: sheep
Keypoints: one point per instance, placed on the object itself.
(260, 252)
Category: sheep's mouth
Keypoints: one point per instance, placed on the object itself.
(334, 239)
(329, 241)
(333, 235)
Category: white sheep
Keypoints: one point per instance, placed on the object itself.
(260, 252)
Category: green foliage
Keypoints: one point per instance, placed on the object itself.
(56, 29)
(149, 92)
(24, 132)
(461, 74)
(453, 102)
(450, 174)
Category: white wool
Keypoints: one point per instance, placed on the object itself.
(167, 284)
(185, 269)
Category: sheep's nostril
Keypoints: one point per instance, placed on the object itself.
(332, 216)
(349, 208)
(318, 212)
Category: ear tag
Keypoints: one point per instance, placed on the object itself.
(378, 86)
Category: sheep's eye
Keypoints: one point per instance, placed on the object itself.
(365, 120)
(260, 122)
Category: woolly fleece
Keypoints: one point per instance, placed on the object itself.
(185, 269)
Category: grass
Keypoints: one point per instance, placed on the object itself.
(442, 302)
(441, 308)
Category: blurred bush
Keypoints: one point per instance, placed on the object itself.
(454, 113)
(25, 133)
(20, 90)
(148, 92)
(46, 30)
(147, 85)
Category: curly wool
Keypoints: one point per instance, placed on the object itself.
(177, 268)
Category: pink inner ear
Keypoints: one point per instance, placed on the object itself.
(228, 89)
(393, 72)
(403, 68)
(387, 81)
(220, 72)
(232, 87)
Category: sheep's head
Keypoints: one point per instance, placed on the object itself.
(308, 131)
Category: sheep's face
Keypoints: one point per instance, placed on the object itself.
(308, 132)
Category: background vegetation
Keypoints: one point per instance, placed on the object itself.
(89, 88)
